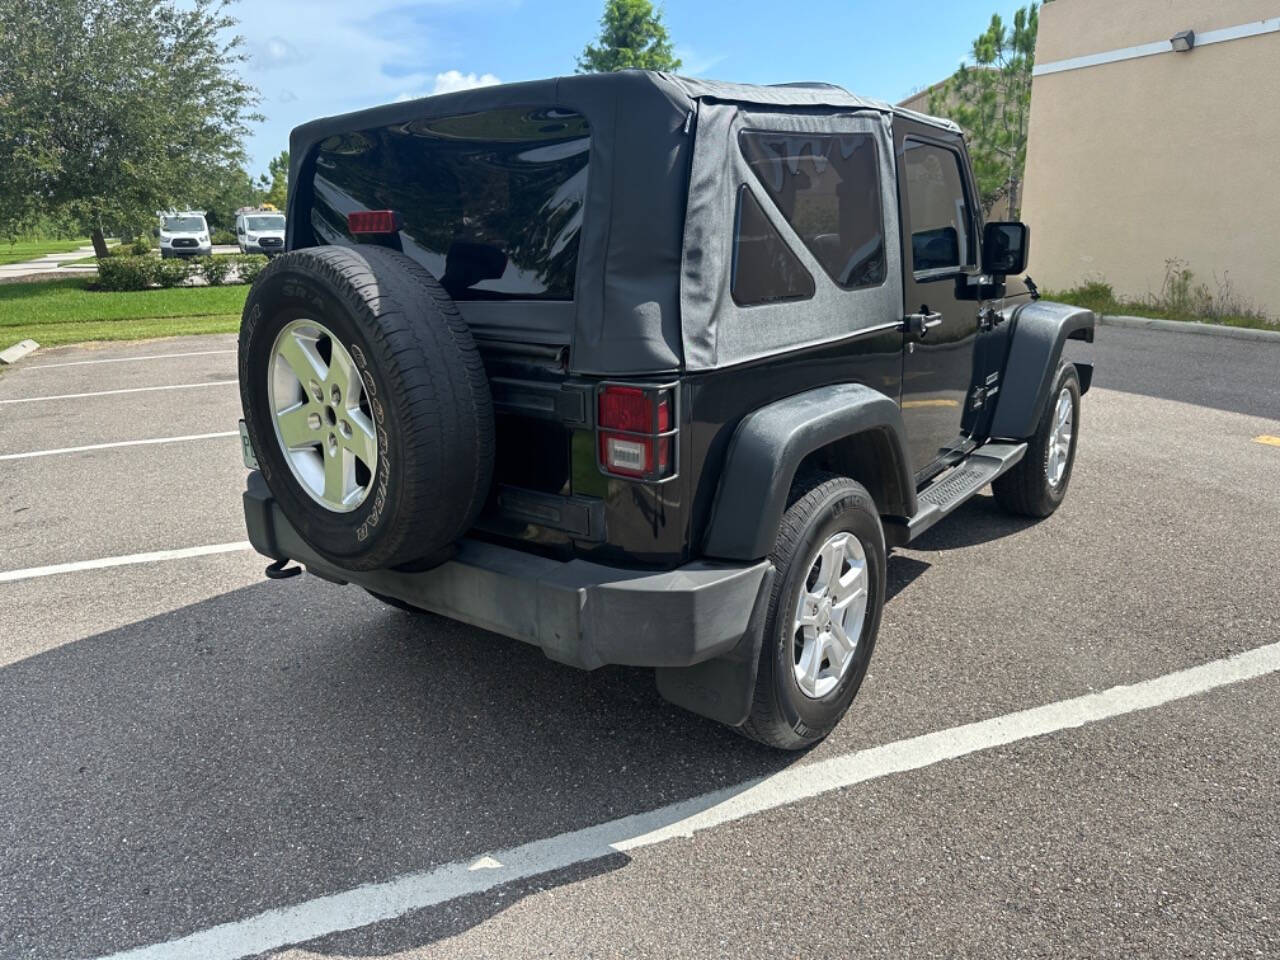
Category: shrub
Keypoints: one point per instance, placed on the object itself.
(171, 273)
(249, 266)
(1097, 295)
(223, 238)
(1181, 297)
(214, 269)
(127, 273)
(140, 247)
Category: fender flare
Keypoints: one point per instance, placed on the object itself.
(768, 446)
(1040, 329)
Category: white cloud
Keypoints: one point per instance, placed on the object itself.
(340, 56)
(452, 81)
(694, 64)
(274, 53)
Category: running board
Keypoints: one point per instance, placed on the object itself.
(961, 482)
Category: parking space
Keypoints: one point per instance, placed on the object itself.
(188, 745)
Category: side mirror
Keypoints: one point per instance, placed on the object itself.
(155, 231)
(1005, 246)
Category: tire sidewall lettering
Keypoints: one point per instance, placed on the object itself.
(425, 488)
(374, 517)
(272, 305)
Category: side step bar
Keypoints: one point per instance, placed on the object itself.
(961, 482)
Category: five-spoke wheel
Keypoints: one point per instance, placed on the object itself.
(824, 611)
(1038, 484)
(322, 416)
(829, 614)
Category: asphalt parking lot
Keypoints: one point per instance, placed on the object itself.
(204, 763)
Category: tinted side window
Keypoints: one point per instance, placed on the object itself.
(941, 218)
(491, 202)
(764, 268)
(828, 188)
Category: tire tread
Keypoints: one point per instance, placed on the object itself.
(428, 362)
(766, 722)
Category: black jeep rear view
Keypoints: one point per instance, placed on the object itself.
(648, 371)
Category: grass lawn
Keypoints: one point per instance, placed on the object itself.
(35, 249)
(66, 311)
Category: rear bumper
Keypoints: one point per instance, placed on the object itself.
(582, 614)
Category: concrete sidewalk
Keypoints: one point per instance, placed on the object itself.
(50, 263)
(58, 263)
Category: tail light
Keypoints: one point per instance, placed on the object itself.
(636, 431)
(364, 222)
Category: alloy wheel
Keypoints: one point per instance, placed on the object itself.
(829, 615)
(322, 417)
(1059, 452)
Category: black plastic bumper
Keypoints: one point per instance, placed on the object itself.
(580, 613)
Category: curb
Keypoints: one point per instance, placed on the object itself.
(17, 351)
(1190, 326)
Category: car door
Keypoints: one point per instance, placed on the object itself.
(940, 259)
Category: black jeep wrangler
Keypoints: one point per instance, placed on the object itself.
(647, 370)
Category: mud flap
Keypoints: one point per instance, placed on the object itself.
(722, 689)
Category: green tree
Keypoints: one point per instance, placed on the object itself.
(991, 100)
(113, 109)
(278, 172)
(632, 36)
(231, 189)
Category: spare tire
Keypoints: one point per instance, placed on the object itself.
(367, 404)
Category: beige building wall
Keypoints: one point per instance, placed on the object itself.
(919, 102)
(1168, 155)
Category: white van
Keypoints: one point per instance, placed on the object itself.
(260, 231)
(184, 234)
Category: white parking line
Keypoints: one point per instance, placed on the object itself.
(152, 356)
(108, 393)
(117, 443)
(394, 898)
(10, 576)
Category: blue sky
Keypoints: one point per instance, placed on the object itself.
(312, 58)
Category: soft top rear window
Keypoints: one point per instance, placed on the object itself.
(491, 202)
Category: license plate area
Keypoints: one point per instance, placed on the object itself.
(246, 448)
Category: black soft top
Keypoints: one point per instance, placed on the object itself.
(649, 294)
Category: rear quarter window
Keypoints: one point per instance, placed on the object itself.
(491, 202)
(828, 188)
(765, 270)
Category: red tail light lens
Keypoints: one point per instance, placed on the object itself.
(635, 427)
(372, 221)
(626, 408)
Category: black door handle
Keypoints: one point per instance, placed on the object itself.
(919, 324)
